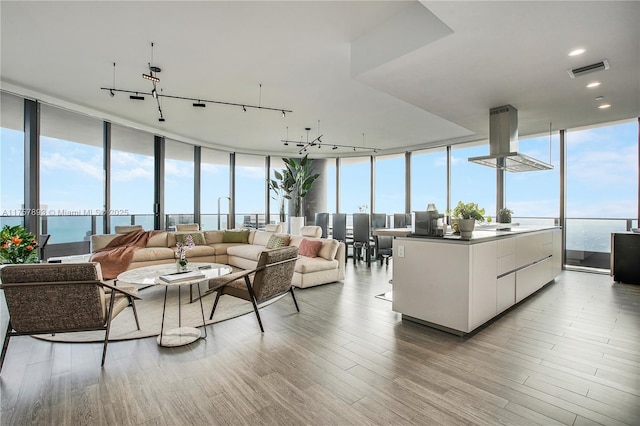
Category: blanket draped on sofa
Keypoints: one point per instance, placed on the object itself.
(116, 256)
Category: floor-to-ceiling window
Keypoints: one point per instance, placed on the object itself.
(389, 184)
(11, 160)
(428, 179)
(178, 183)
(602, 190)
(214, 189)
(132, 174)
(472, 182)
(534, 197)
(71, 175)
(250, 191)
(355, 185)
(276, 198)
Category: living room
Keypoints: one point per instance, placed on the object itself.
(400, 145)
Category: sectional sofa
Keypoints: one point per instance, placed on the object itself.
(321, 260)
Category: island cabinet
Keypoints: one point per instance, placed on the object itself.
(458, 285)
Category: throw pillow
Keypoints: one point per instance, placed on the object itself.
(329, 249)
(198, 238)
(309, 248)
(278, 241)
(236, 236)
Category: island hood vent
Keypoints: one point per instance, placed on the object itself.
(503, 144)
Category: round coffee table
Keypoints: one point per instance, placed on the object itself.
(150, 275)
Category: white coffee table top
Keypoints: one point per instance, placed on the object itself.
(148, 275)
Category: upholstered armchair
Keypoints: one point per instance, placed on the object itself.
(271, 278)
(60, 298)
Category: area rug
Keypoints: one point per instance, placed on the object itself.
(123, 326)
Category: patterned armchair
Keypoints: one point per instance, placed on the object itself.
(271, 278)
(60, 298)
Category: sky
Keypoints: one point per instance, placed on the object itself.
(602, 179)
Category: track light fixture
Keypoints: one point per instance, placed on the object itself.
(318, 142)
(197, 102)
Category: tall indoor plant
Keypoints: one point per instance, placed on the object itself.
(467, 215)
(302, 176)
(282, 187)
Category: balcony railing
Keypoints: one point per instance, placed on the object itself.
(588, 239)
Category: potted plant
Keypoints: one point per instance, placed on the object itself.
(17, 245)
(467, 215)
(282, 186)
(504, 215)
(300, 175)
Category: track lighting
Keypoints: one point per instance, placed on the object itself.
(151, 77)
(318, 142)
(286, 144)
(334, 147)
(197, 103)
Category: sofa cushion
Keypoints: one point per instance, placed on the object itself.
(125, 229)
(311, 231)
(158, 240)
(278, 241)
(213, 237)
(261, 238)
(305, 265)
(221, 248)
(273, 227)
(241, 236)
(329, 249)
(198, 237)
(309, 248)
(187, 227)
(152, 253)
(199, 251)
(246, 251)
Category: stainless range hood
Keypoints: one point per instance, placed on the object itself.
(503, 144)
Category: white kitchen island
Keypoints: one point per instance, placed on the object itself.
(457, 285)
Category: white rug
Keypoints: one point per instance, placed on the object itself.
(123, 326)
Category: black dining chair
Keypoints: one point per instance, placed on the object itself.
(378, 220)
(339, 231)
(362, 237)
(322, 220)
(399, 220)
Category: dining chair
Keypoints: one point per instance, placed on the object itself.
(362, 237)
(322, 220)
(339, 231)
(378, 220)
(399, 220)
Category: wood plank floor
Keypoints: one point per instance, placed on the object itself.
(567, 355)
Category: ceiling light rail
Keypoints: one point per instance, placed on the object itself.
(318, 143)
(200, 100)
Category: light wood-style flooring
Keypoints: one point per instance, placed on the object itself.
(569, 355)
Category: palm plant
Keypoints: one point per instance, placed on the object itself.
(300, 175)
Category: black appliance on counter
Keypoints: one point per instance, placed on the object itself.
(625, 257)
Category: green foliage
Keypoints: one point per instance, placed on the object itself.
(468, 211)
(301, 177)
(282, 187)
(504, 215)
(17, 245)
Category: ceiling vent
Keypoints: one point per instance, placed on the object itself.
(598, 66)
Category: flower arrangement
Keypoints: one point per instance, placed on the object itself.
(181, 250)
(17, 245)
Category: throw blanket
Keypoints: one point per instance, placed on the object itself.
(116, 256)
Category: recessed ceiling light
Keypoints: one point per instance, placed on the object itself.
(593, 84)
(577, 52)
(604, 106)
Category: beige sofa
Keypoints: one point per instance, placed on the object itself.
(328, 266)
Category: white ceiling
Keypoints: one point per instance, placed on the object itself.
(404, 74)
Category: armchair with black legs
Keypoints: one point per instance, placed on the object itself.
(272, 277)
(61, 298)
